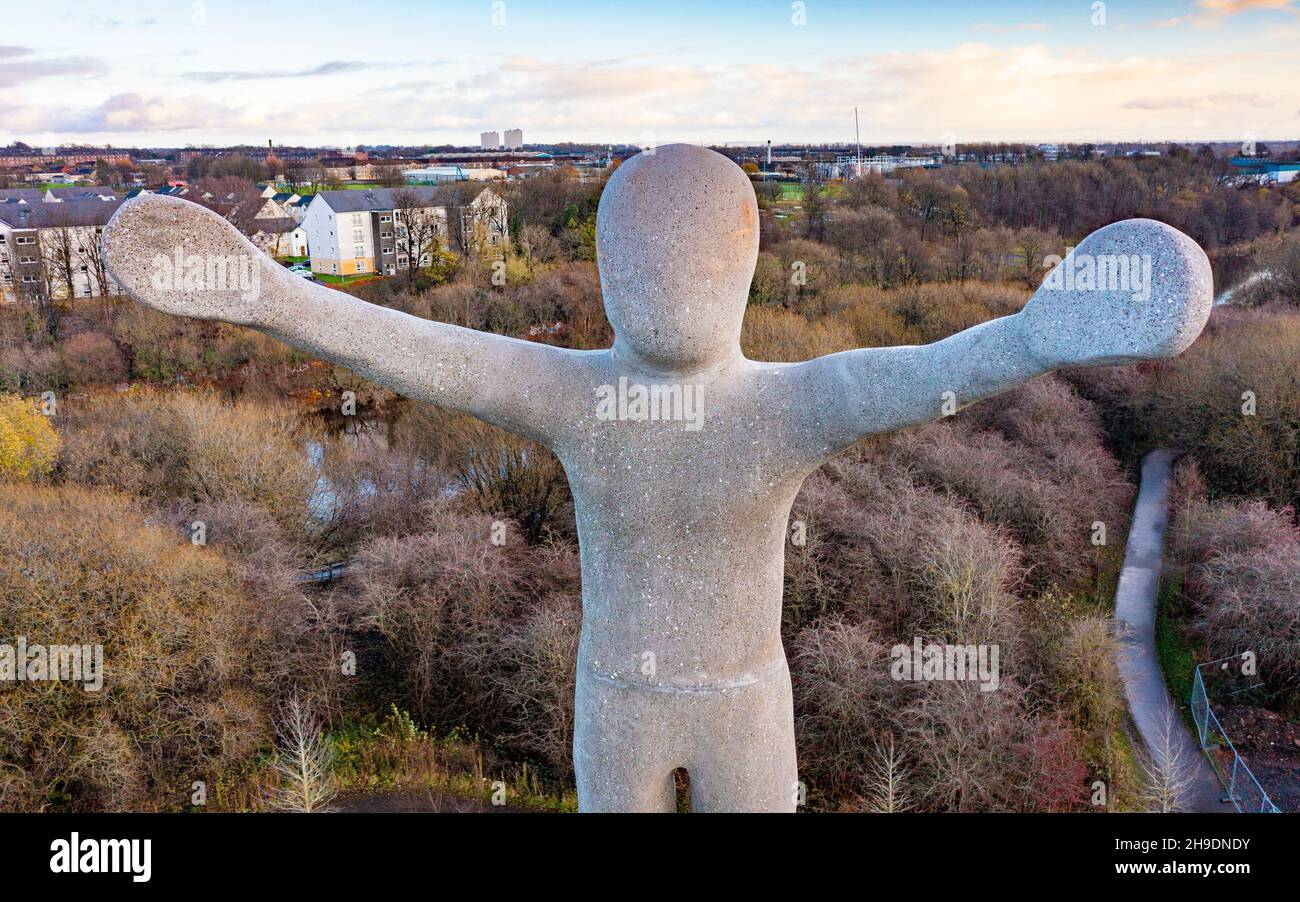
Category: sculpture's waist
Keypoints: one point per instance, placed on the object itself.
(667, 672)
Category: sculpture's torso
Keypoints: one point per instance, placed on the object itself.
(682, 530)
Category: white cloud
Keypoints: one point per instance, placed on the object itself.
(136, 113)
(973, 90)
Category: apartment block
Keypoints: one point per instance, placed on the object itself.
(354, 232)
(51, 248)
(383, 230)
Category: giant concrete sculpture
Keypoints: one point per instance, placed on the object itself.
(683, 456)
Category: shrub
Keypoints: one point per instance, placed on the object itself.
(1242, 566)
(1032, 462)
(844, 698)
(181, 698)
(906, 557)
(1198, 402)
(31, 369)
(536, 679)
(29, 446)
(439, 601)
(988, 751)
(781, 336)
(498, 472)
(1090, 688)
(91, 358)
(372, 490)
(191, 447)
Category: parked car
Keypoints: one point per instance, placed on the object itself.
(301, 270)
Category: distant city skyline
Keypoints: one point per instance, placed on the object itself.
(155, 73)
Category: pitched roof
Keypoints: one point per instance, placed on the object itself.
(372, 199)
(82, 192)
(277, 226)
(68, 213)
(13, 195)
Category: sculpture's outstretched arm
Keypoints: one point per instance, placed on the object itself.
(183, 259)
(1153, 308)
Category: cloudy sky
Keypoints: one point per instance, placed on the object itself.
(175, 72)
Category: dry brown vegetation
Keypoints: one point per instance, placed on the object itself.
(976, 529)
(970, 531)
(1200, 401)
(1240, 561)
(183, 650)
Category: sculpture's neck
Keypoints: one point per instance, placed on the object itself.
(627, 357)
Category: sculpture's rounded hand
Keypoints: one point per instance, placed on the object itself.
(180, 258)
(1135, 290)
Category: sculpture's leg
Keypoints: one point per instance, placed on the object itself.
(744, 757)
(623, 753)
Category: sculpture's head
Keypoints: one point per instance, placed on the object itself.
(676, 242)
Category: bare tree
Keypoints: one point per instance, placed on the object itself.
(389, 176)
(815, 198)
(59, 255)
(92, 257)
(1167, 773)
(887, 780)
(40, 297)
(418, 228)
(233, 197)
(302, 759)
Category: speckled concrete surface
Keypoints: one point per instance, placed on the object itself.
(682, 502)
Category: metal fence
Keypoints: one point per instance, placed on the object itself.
(325, 574)
(1244, 790)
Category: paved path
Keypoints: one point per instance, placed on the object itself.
(1135, 609)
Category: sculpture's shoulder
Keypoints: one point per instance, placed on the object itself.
(816, 376)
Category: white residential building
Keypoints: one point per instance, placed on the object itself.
(380, 230)
(352, 232)
(489, 140)
(514, 139)
(484, 225)
(52, 248)
(282, 237)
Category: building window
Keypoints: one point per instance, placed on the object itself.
(29, 280)
(385, 219)
(26, 259)
(359, 251)
(25, 239)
